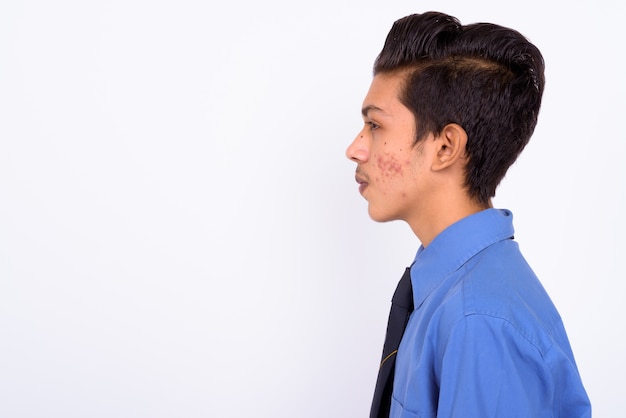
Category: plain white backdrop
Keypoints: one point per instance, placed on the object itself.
(181, 234)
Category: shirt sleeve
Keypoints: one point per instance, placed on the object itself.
(487, 368)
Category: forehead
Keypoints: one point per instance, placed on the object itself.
(383, 95)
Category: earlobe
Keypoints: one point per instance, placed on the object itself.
(451, 144)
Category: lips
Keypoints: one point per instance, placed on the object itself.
(362, 181)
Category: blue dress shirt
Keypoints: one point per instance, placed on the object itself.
(484, 339)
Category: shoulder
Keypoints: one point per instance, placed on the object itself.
(497, 289)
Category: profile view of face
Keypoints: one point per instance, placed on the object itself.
(390, 170)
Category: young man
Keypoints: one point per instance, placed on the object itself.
(449, 109)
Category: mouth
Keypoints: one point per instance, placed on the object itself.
(362, 181)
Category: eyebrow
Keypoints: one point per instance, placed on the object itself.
(367, 109)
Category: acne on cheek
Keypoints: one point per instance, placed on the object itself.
(388, 165)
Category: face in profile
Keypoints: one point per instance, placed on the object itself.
(390, 168)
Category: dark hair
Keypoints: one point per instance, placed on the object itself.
(487, 78)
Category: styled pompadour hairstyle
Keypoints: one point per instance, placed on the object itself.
(484, 77)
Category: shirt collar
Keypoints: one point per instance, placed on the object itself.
(454, 246)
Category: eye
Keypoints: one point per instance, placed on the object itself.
(373, 125)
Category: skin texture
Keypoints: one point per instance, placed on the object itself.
(421, 183)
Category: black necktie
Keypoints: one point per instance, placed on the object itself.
(401, 308)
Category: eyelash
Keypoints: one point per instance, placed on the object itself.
(372, 125)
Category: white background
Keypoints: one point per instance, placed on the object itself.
(181, 234)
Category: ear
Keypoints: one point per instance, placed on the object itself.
(450, 147)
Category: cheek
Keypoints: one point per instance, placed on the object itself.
(390, 167)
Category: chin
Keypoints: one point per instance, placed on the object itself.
(379, 216)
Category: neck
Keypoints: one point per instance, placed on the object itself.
(434, 221)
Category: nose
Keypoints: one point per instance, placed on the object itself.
(358, 150)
